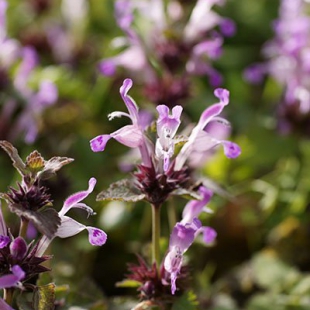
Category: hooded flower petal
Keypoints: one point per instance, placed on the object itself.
(130, 104)
(194, 207)
(182, 236)
(74, 199)
(207, 115)
(168, 122)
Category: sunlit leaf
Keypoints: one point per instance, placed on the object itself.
(128, 283)
(122, 190)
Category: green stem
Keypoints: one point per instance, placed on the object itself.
(8, 295)
(156, 234)
(172, 216)
(23, 227)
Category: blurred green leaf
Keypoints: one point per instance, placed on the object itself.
(44, 297)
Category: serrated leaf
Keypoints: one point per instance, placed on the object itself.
(44, 297)
(46, 221)
(188, 301)
(122, 190)
(13, 153)
(128, 283)
(53, 165)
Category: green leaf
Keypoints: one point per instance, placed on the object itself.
(44, 297)
(122, 190)
(128, 283)
(24, 301)
(46, 221)
(187, 302)
(272, 273)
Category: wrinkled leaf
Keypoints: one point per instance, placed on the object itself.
(53, 165)
(46, 221)
(122, 190)
(44, 297)
(13, 153)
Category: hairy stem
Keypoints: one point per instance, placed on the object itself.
(8, 295)
(23, 227)
(156, 234)
(172, 216)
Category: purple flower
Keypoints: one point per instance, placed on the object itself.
(194, 207)
(169, 54)
(10, 280)
(185, 232)
(4, 238)
(200, 141)
(167, 126)
(69, 227)
(288, 63)
(129, 135)
(13, 279)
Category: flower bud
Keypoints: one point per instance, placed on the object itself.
(18, 248)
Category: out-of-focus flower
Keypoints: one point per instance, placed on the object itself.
(288, 62)
(17, 91)
(69, 227)
(176, 49)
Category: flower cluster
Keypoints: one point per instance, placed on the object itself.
(180, 46)
(164, 171)
(17, 92)
(161, 170)
(288, 62)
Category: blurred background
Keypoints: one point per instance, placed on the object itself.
(54, 98)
